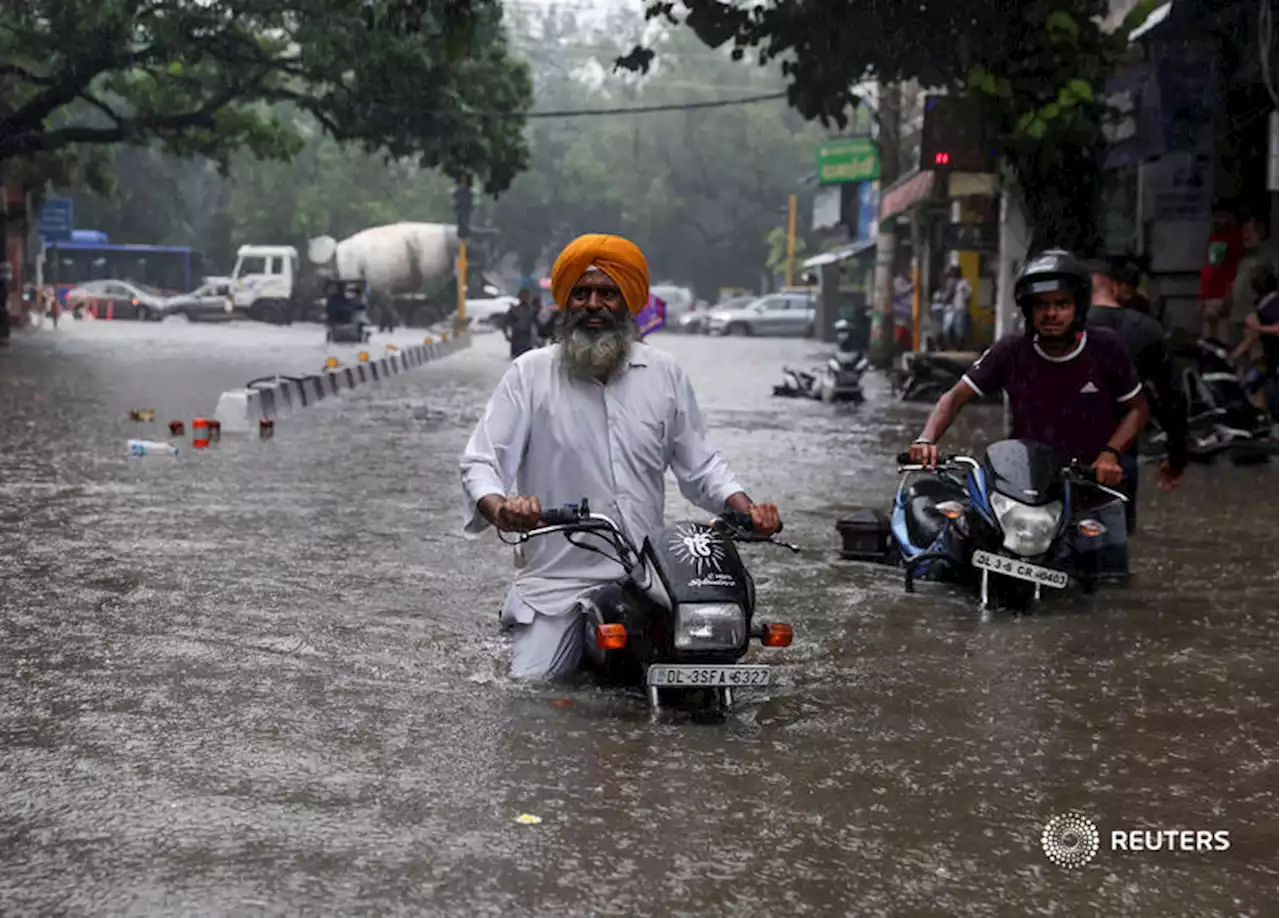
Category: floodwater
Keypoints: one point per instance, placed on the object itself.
(267, 678)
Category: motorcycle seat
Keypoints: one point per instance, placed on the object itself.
(924, 522)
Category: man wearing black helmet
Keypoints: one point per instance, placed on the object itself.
(1070, 387)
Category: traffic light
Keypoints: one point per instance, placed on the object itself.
(957, 135)
(462, 206)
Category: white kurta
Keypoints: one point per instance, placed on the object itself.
(560, 439)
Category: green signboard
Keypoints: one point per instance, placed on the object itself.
(853, 160)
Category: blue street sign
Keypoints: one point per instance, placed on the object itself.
(57, 218)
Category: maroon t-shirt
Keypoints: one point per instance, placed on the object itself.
(1072, 403)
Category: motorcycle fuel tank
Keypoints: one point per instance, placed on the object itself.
(699, 565)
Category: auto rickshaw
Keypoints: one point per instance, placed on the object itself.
(346, 311)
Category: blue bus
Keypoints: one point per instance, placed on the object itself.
(89, 256)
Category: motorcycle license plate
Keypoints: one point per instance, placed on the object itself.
(1020, 570)
(686, 676)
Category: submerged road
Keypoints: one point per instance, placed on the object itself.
(267, 678)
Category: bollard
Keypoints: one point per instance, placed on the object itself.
(364, 356)
(266, 428)
(177, 428)
(200, 433)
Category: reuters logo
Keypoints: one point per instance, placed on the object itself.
(1070, 840)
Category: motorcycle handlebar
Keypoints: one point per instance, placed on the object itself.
(740, 526)
(905, 459)
(560, 516)
(1084, 472)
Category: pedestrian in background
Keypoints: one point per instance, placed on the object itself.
(6, 278)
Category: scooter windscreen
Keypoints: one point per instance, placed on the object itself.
(1028, 472)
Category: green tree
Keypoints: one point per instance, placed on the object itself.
(205, 77)
(1040, 69)
(697, 189)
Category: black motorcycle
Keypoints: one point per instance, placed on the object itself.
(1220, 417)
(682, 613)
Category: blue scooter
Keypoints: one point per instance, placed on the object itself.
(1004, 526)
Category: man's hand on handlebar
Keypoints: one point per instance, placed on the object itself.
(1107, 470)
(925, 454)
(764, 519)
(512, 514)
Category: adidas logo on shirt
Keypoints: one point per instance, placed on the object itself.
(1088, 388)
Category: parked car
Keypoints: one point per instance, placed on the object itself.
(210, 302)
(777, 314)
(696, 322)
(119, 299)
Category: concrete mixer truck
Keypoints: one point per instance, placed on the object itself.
(406, 265)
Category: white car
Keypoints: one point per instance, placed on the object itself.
(777, 314)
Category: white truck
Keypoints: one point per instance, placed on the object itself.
(408, 264)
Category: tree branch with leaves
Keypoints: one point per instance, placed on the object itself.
(1039, 68)
(201, 77)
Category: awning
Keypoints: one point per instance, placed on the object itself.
(912, 188)
(841, 254)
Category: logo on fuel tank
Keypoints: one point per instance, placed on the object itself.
(698, 547)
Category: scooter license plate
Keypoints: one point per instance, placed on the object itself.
(687, 676)
(1020, 570)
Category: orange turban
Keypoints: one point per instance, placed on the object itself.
(619, 258)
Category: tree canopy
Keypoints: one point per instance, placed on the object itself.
(699, 190)
(433, 81)
(1039, 66)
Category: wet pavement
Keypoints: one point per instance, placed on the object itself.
(267, 678)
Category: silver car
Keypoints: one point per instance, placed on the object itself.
(210, 302)
(777, 314)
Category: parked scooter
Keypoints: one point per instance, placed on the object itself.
(838, 380)
(1004, 526)
(682, 612)
(1220, 416)
(925, 376)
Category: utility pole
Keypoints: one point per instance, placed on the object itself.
(890, 142)
(462, 200)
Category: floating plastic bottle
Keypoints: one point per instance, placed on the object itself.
(151, 448)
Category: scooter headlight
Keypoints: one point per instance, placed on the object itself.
(1028, 531)
(710, 626)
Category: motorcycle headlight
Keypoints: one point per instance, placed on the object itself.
(1028, 531)
(710, 626)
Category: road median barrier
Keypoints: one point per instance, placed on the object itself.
(270, 398)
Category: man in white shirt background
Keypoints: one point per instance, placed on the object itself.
(600, 415)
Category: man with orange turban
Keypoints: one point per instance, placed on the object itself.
(601, 415)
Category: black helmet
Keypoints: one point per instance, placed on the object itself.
(1049, 271)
